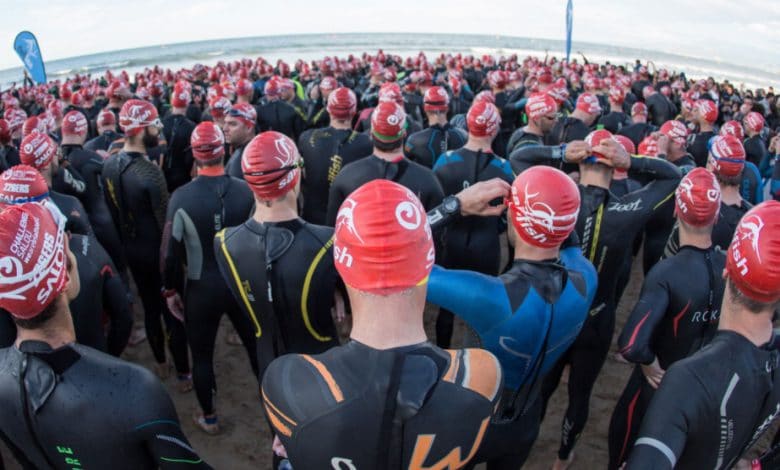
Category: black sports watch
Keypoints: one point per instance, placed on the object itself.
(448, 210)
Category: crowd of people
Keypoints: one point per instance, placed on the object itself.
(349, 193)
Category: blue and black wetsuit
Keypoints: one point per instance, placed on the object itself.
(425, 146)
(528, 317)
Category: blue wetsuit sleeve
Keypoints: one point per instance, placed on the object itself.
(477, 299)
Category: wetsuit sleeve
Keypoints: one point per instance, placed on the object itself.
(765, 165)
(478, 299)
(69, 181)
(78, 220)
(526, 157)
(158, 198)
(172, 250)
(751, 186)
(664, 178)
(335, 197)
(665, 426)
(159, 429)
(115, 298)
(775, 184)
(634, 342)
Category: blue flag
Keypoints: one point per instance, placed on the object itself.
(569, 22)
(26, 46)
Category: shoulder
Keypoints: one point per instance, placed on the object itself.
(476, 370)
(322, 232)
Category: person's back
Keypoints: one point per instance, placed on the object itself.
(177, 161)
(425, 146)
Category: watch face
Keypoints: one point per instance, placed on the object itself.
(451, 204)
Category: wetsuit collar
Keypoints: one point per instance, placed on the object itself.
(215, 170)
(770, 346)
(401, 349)
(395, 160)
(59, 359)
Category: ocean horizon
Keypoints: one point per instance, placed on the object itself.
(315, 46)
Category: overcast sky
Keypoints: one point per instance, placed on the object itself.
(745, 32)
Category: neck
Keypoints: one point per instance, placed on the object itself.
(384, 322)
(179, 111)
(70, 140)
(595, 176)
(212, 170)
(341, 125)
(675, 154)
(278, 211)
(730, 195)
(581, 115)
(392, 156)
(532, 128)
(640, 120)
(134, 144)
(242, 144)
(57, 332)
(698, 240)
(705, 127)
(437, 119)
(532, 253)
(475, 144)
(615, 108)
(756, 327)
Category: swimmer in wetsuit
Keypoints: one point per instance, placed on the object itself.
(137, 197)
(530, 315)
(731, 388)
(541, 110)
(607, 226)
(196, 212)
(240, 123)
(383, 249)
(327, 150)
(106, 126)
(279, 267)
(65, 405)
(673, 317)
(425, 146)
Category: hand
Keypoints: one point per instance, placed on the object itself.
(653, 373)
(176, 306)
(743, 464)
(614, 152)
(338, 311)
(576, 151)
(663, 143)
(475, 200)
(314, 94)
(774, 145)
(278, 447)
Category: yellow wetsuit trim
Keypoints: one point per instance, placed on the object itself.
(305, 293)
(221, 236)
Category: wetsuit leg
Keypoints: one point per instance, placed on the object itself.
(244, 328)
(506, 446)
(627, 418)
(587, 356)
(202, 315)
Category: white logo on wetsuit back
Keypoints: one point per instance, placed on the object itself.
(625, 207)
(340, 463)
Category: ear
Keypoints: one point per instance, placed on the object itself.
(725, 274)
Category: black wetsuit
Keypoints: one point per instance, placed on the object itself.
(659, 109)
(177, 161)
(722, 232)
(566, 130)
(520, 138)
(637, 132)
(196, 212)
(90, 166)
(102, 297)
(80, 408)
(10, 156)
(710, 407)
(325, 152)
(755, 150)
(417, 178)
(317, 114)
(359, 407)
(659, 228)
(672, 319)
(283, 277)
(607, 227)
(137, 198)
(620, 188)
(77, 220)
(425, 146)
(67, 180)
(471, 242)
(233, 165)
(614, 121)
(103, 141)
(698, 147)
(281, 116)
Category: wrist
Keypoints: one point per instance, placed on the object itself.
(755, 464)
(560, 153)
(167, 293)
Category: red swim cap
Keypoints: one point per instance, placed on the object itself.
(390, 92)
(382, 240)
(485, 95)
(589, 103)
(273, 87)
(106, 118)
(75, 124)
(15, 118)
(271, 165)
(208, 142)
(136, 115)
(754, 122)
(388, 122)
(342, 103)
(483, 119)
(65, 92)
(544, 206)
(727, 155)
(539, 105)
(328, 83)
(497, 79)
(675, 130)
(648, 147)
(77, 99)
(20, 184)
(733, 128)
(616, 95)
(436, 99)
(244, 112)
(595, 138)
(5, 132)
(32, 259)
(707, 110)
(37, 150)
(245, 88)
(32, 124)
(753, 259)
(639, 108)
(626, 143)
(697, 198)
(219, 106)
